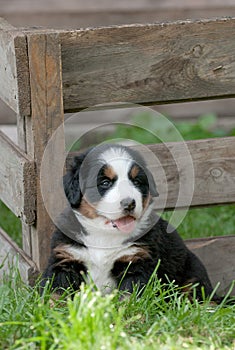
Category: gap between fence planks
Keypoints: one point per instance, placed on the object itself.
(17, 180)
(12, 257)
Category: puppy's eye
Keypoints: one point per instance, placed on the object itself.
(137, 182)
(106, 184)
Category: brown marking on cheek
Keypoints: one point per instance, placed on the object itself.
(63, 256)
(142, 254)
(146, 201)
(109, 172)
(134, 171)
(87, 209)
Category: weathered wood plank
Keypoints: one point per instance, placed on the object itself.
(194, 173)
(12, 256)
(218, 256)
(8, 87)
(158, 63)
(46, 116)
(17, 180)
(14, 88)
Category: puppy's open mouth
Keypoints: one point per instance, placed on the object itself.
(125, 224)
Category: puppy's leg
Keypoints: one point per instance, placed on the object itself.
(132, 274)
(63, 275)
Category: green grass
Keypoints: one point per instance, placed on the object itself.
(93, 321)
(148, 128)
(207, 222)
(10, 223)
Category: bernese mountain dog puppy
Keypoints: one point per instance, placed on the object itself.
(113, 234)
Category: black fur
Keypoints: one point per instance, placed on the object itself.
(71, 182)
(177, 263)
(63, 274)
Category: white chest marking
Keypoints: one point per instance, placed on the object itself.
(100, 263)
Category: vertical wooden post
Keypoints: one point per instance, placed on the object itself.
(46, 116)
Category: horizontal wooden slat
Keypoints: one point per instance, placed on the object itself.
(192, 173)
(17, 180)
(12, 257)
(157, 63)
(14, 87)
(218, 256)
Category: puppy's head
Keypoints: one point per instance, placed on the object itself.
(112, 183)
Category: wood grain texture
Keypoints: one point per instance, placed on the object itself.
(218, 256)
(17, 180)
(11, 255)
(194, 173)
(14, 88)
(8, 87)
(46, 116)
(158, 63)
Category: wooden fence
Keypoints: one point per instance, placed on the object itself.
(45, 73)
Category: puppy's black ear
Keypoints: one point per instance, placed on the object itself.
(152, 185)
(71, 182)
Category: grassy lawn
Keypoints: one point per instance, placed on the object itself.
(160, 319)
(10, 223)
(92, 321)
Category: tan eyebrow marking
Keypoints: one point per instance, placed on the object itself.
(109, 172)
(134, 171)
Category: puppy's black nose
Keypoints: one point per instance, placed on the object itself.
(128, 204)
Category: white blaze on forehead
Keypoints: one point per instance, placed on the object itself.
(115, 153)
(121, 163)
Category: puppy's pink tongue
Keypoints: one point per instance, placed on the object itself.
(125, 224)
